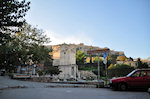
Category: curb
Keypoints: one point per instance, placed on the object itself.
(70, 86)
(11, 87)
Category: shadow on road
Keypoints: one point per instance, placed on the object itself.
(134, 90)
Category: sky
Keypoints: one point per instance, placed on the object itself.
(121, 25)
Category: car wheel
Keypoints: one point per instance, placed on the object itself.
(122, 86)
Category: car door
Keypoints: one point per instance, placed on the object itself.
(137, 79)
(144, 78)
(148, 78)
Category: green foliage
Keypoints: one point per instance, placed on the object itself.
(102, 71)
(87, 68)
(144, 65)
(140, 64)
(40, 72)
(24, 47)
(96, 59)
(119, 70)
(12, 14)
(112, 59)
(80, 57)
(122, 58)
(52, 70)
(49, 69)
(39, 54)
(130, 58)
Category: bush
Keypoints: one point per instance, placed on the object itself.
(119, 70)
(40, 72)
(52, 70)
(102, 72)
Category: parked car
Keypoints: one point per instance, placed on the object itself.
(139, 78)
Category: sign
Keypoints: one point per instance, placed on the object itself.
(105, 58)
(98, 51)
(105, 55)
(105, 61)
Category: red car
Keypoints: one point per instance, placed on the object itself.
(139, 78)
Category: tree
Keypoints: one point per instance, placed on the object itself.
(96, 59)
(80, 57)
(119, 70)
(122, 58)
(30, 42)
(112, 58)
(102, 66)
(140, 64)
(145, 65)
(111, 66)
(26, 46)
(130, 58)
(52, 70)
(12, 14)
(39, 54)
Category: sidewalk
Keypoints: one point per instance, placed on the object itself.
(6, 82)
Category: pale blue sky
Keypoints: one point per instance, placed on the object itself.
(122, 25)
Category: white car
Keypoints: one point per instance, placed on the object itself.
(149, 90)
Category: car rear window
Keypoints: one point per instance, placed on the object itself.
(143, 74)
(139, 74)
(148, 73)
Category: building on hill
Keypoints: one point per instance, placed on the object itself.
(146, 61)
(132, 63)
(118, 53)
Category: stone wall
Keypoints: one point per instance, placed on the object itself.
(43, 79)
(87, 75)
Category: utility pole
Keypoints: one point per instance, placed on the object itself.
(105, 62)
(98, 77)
(106, 72)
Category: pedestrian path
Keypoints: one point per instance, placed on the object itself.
(6, 82)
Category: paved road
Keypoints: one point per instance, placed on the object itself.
(36, 90)
(70, 93)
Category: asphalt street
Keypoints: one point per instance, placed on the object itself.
(71, 93)
(36, 90)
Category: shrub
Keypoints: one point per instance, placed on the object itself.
(119, 70)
